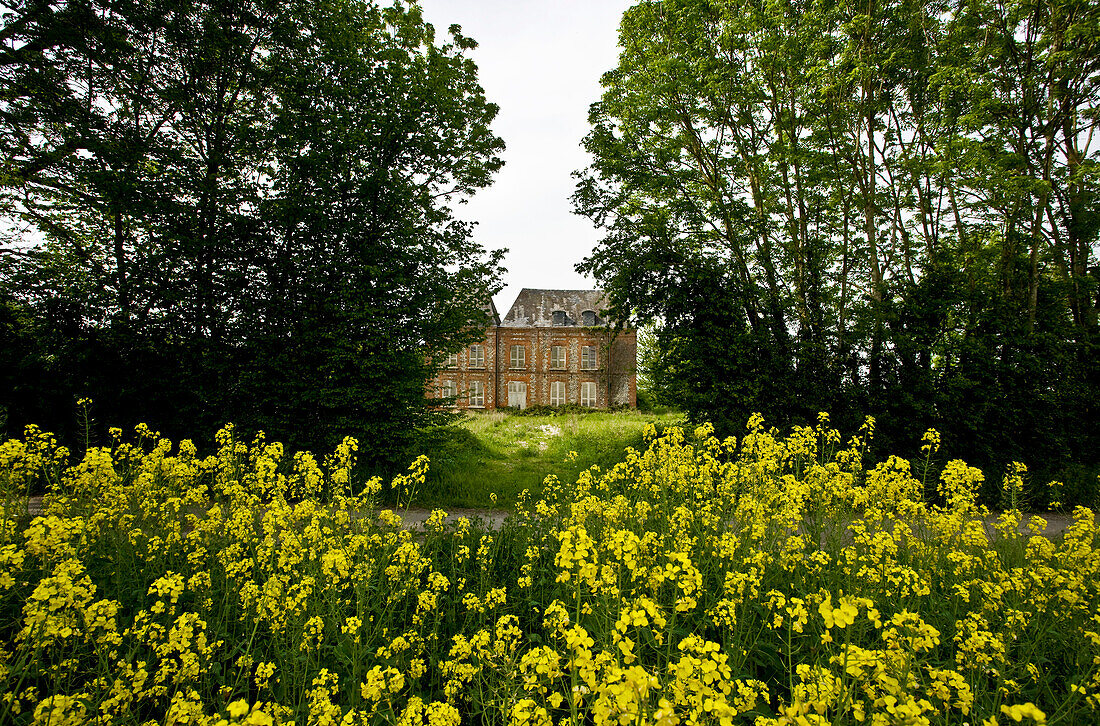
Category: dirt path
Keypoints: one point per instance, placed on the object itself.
(415, 517)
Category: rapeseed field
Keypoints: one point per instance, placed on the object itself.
(763, 580)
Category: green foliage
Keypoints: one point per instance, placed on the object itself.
(763, 581)
(239, 212)
(862, 209)
(498, 454)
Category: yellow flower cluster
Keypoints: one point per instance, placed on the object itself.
(767, 581)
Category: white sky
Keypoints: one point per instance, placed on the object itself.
(541, 62)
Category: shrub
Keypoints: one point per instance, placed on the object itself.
(766, 581)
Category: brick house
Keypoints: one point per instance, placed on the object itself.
(554, 347)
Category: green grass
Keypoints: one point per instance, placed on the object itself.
(501, 453)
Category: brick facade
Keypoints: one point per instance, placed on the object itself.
(520, 366)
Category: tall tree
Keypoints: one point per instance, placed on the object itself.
(369, 277)
(884, 201)
(247, 201)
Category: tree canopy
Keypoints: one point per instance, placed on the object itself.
(885, 207)
(238, 210)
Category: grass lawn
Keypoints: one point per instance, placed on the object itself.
(500, 453)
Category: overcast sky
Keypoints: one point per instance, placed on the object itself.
(541, 62)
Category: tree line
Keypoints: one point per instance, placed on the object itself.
(883, 207)
(237, 210)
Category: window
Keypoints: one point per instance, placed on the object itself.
(447, 389)
(588, 317)
(517, 394)
(559, 317)
(452, 360)
(557, 357)
(588, 394)
(588, 357)
(557, 393)
(477, 356)
(477, 394)
(519, 356)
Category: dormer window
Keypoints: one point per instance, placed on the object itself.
(559, 317)
(588, 318)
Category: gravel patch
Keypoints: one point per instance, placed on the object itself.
(414, 518)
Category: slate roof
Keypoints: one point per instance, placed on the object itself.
(490, 309)
(535, 308)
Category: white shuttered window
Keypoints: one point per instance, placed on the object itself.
(588, 357)
(519, 357)
(557, 393)
(477, 356)
(557, 357)
(447, 389)
(588, 394)
(477, 394)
